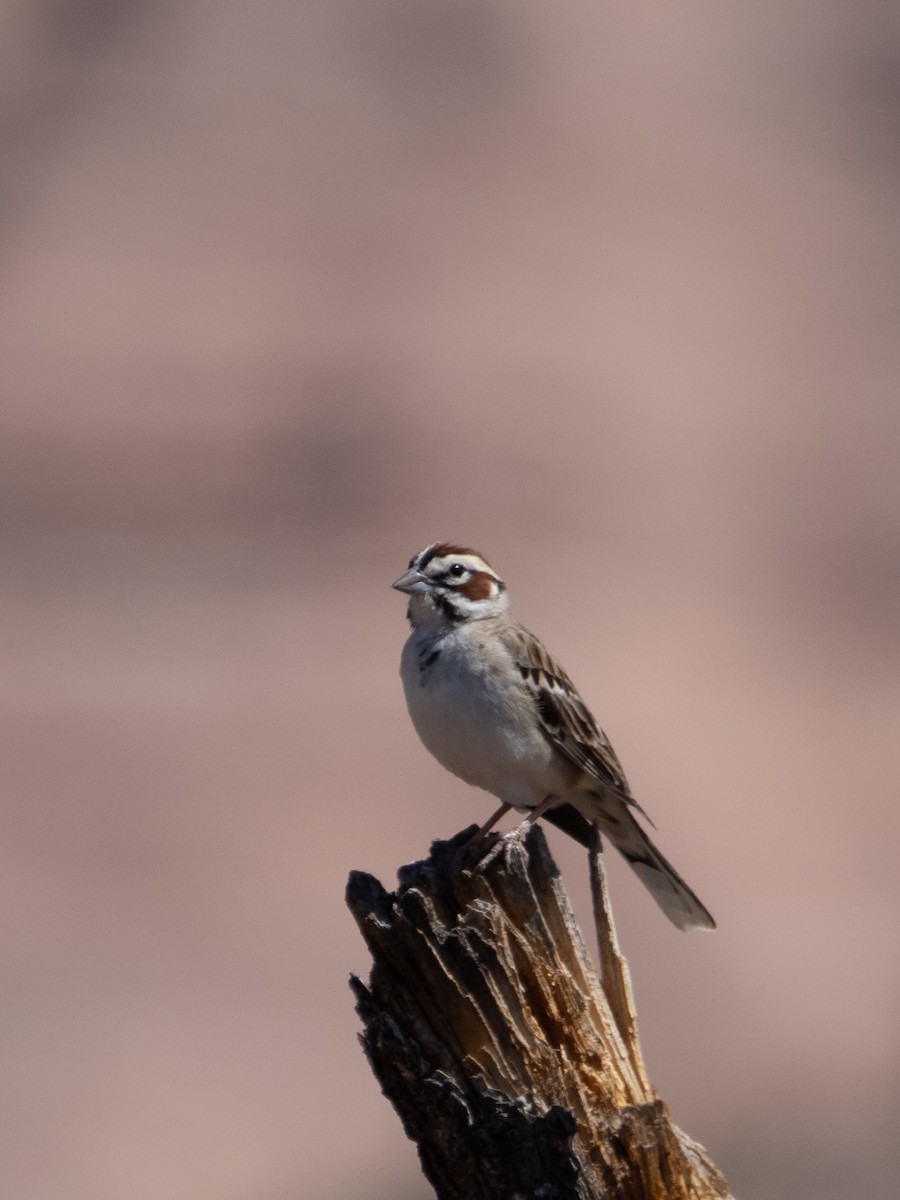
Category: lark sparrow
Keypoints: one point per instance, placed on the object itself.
(497, 710)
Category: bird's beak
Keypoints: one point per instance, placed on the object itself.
(413, 583)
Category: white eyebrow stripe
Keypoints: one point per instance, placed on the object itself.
(441, 565)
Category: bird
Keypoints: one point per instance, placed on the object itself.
(497, 710)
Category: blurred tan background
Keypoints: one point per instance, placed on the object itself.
(291, 290)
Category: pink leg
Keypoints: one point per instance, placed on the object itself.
(519, 830)
(491, 822)
(547, 803)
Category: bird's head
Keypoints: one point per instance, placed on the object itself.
(449, 584)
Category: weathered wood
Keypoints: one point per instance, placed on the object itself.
(514, 1070)
(615, 978)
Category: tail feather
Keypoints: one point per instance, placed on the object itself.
(680, 904)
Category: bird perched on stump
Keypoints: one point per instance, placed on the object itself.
(495, 708)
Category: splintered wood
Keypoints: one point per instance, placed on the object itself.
(516, 1072)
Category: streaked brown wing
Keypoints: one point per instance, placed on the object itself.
(565, 718)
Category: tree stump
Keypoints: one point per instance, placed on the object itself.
(514, 1069)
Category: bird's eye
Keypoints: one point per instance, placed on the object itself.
(457, 570)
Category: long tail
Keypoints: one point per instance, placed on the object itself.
(681, 905)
